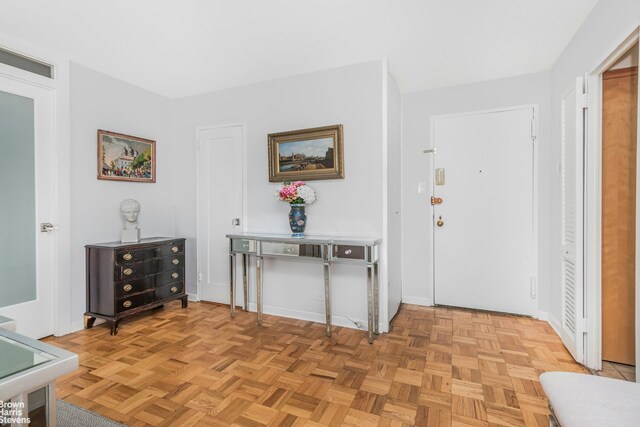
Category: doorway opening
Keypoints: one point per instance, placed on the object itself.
(618, 218)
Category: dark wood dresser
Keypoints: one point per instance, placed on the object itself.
(127, 278)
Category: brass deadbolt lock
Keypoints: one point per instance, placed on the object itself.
(440, 222)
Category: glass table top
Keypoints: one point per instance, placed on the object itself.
(17, 357)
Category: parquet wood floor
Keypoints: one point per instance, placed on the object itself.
(437, 367)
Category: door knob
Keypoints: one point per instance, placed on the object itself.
(440, 222)
(235, 221)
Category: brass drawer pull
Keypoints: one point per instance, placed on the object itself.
(126, 304)
(289, 250)
(175, 249)
(175, 275)
(176, 261)
(127, 257)
(127, 272)
(127, 287)
(174, 289)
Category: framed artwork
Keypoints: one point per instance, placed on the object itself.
(306, 154)
(125, 157)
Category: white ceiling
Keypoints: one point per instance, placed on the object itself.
(183, 47)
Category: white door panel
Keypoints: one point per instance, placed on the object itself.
(27, 179)
(220, 203)
(484, 251)
(572, 251)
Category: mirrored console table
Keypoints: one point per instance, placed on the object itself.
(325, 249)
(28, 372)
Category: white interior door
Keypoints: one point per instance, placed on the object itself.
(572, 248)
(220, 206)
(26, 190)
(484, 255)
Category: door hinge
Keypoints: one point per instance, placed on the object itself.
(583, 325)
(584, 101)
(534, 129)
(436, 200)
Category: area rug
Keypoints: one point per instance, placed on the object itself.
(70, 415)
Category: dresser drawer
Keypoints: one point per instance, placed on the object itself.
(142, 269)
(126, 256)
(128, 287)
(243, 246)
(169, 290)
(291, 249)
(134, 301)
(349, 252)
(277, 248)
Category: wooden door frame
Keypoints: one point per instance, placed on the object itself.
(61, 211)
(535, 261)
(199, 217)
(593, 209)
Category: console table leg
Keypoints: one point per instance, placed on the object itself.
(232, 284)
(259, 288)
(245, 281)
(327, 296)
(376, 298)
(370, 301)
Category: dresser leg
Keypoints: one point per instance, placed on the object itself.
(89, 321)
(185, 301)
(114, 327)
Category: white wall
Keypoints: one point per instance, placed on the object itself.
(353, 206)
(609, 23)
(97, 102)
(418, 108)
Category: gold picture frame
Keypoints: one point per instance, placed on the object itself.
(307, 154)
(126, 158)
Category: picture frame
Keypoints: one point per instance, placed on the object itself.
(307, 154)
(126, 158)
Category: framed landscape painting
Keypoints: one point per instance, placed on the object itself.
(306, 154)
(125, 157)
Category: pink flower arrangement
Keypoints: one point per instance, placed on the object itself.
(296, 193)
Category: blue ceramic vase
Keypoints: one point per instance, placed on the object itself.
(297, 220)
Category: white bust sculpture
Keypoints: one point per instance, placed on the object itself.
(130, 209)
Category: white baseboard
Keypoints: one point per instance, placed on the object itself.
(555, 324)
(543, 315)
(78, 326)
(313, 317)
(193, 297)
(427, 302)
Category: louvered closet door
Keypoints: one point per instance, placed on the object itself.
(572, 166)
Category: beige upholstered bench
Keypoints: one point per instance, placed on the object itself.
(581, 400)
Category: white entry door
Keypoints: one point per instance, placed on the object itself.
(220, 206)
(484, 228)
(27, 255)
